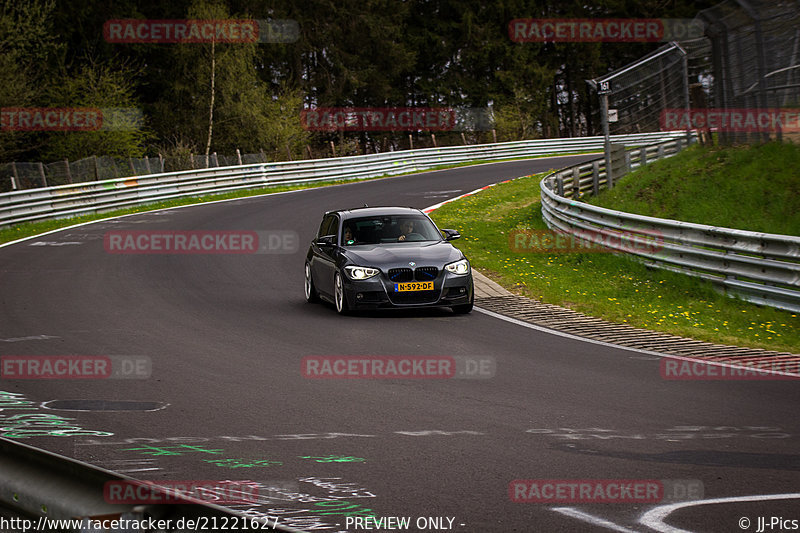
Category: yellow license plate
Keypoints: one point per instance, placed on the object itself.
(413, 286)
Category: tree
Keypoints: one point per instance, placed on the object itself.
(110, 89)
(27, 45)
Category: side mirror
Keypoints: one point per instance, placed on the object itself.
(327, 240)
(451, 234)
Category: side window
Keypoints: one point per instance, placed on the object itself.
(328, 226)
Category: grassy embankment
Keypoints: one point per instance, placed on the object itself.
(756, 189)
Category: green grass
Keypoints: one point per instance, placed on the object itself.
(752, 188)
(601, 284)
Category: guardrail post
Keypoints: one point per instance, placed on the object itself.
(660, 152)
(576, 183)
(678, 145)
(560, 185)
(595, 178)
(627, 162)
(617, 164)
(643, 157)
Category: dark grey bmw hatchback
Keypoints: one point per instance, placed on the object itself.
(386, 257)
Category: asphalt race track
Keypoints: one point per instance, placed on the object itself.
(226, 399)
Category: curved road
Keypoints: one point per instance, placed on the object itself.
(225, 398)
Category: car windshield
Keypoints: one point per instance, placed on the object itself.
(388, 229)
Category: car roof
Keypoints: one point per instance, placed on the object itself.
(359, 212)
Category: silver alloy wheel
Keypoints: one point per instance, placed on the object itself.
(308, 284)
(338, 294)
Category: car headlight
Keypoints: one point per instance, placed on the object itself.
(459, 267)
(357, 273)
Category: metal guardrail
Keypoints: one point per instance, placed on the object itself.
(102, 196)
(56, 493)
(762, 268)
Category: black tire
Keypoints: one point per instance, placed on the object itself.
(310, 290)
(339, 298)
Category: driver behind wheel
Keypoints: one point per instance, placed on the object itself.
(406, 228)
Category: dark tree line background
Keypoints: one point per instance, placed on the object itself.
(360, 53)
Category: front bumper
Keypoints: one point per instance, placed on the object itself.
(379, 292)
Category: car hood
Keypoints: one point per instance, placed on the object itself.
(400, 254)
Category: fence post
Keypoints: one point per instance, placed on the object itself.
(161, 161)
(41, 171)
(494, 135)
(433, 138)
(333, 149)
(130, 162)
(69, 174)
(96, 170)
(308, 149)
(15, 180)
(464, 138)
(410, 142)
(607, 137)
(239, 156)
(147, 165)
